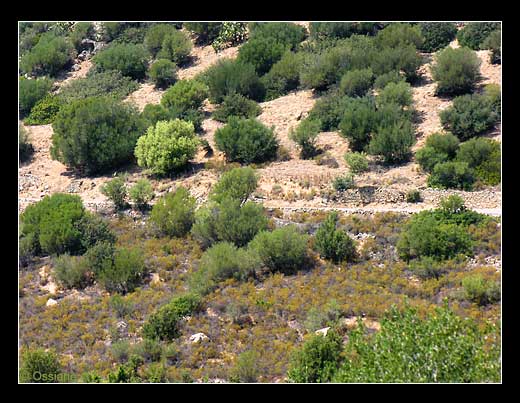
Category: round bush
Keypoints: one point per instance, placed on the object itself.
(456, 71)
(237, 183)
(284, 76)
(48, 57)
(71, 271)
(246, 140)
(452, 175)
(329, 110)
(163, 73)
(95, 134)
(397, 93)
(184, 95)
(261, 53)
(357, 162)
(115, 190)
(176, 46)
(283, 249)
(358, 122)
(494, 43)
(444, 143)
(483, 155)
(384, 79)
(236, 105)
(356, 83)
(474, 34)
(130, 59)
(31, 91)
(44, 111)
(427, 157)
(167, 146)
(399, 34)
(305, 135)
(174, 213)
(332, 243)
(155, 35)
(393, 142)
(469, 116)
(126, 273)
(141, 193)
(437, 35)
(287, 33)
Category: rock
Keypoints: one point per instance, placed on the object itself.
(323, 331)
(51, 302)
(198, 337)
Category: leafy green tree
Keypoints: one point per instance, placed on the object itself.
(174, 213)
(359, 121)
(237, 183)
(456, 71)
(167, 146)
(39, 366)
(333, 243)
(393, 142)
(438, 148)
(284, 75)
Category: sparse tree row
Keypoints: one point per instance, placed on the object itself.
(363, 75)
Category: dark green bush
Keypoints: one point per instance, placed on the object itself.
(100, 257)
(305, 135)
(206, 31)
(95, 134)
(184, 95)
(174, 213)
(246, 141)
(228, 76)
(155, 35)
(494, 43)
(437, 35)
(391, 77)
(413, 196)
(329, 110)
(393, 142)
(439, 148)
(469, 116)
(30, 92)
(397, 93)
(153, 113)
(176, 46)
(494, 96)
(237, 183)
(284, 76)
(321, 71)
(44, 111)
(474, 34)
(130, 59)
(115, 190)
(323, 30)
(109, 83)
(333, 243)
(358, 122)
(428, 157)
(39, 366)
(283, 250)
(356, 83)
(72, 271)
(236, 105)
(164, 323)
(94, 229)
(427, 267)
(342, 183)
(167, 146)
(25, 148)
(28, 248)
(287, 33)
(317, 360)
(163, 73)
(482, 155)
(456, 71)
(452, 175)
(403, 58)
(261, 53)
(49, 56)
(126, 273)
(399, 34)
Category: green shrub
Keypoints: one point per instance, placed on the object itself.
(333, 243)
(357, 162)
(246, 141)
(452, 175)
(437, 35)
(396, 93)
(286, 33)
(237, 183)
(283, 249)
(493, 94)
(174, 213)
(115, 190)
(123, 307)
(206, 31)
(393, 142)
(329, 110)
(444, 143)
(228, 76)
(428, 157)
(356, 83)
(317, 360)
(44, 111)
(130, 59)
(184, 95)
(413, 196)
(494, 43)
(326, 316)
(358, 122)
(120, 350)
(236, 105)
(426, 235)
(321, 71)
(126, 272)
(94, 229)
(30, 92)
(25, 148)
(404, 58)
(167, 146)
(141, 193)
(481, 291)
(246, 368)
(176, 47)
(155, 35)
(426, 354)
(100, 257)
(399, 34)
(95, 134)
(456, 71)
(284, 75)
(154, 113)
(482, 155)
(342, 183)
(109, 83)
(221, 261)
(384, 79)
(149, 350)
(28, 248)
(469, 116)
(48, 57)
(231, 34)
(163, 73)
(54, 221)
(305, 135)
(39, 366)
(72, 271)
(229, 221)
(261, 53)
(323, 30)
(474, 34)
(164, 323)
(427, 267)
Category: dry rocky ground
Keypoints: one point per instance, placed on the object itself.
(292, 184)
